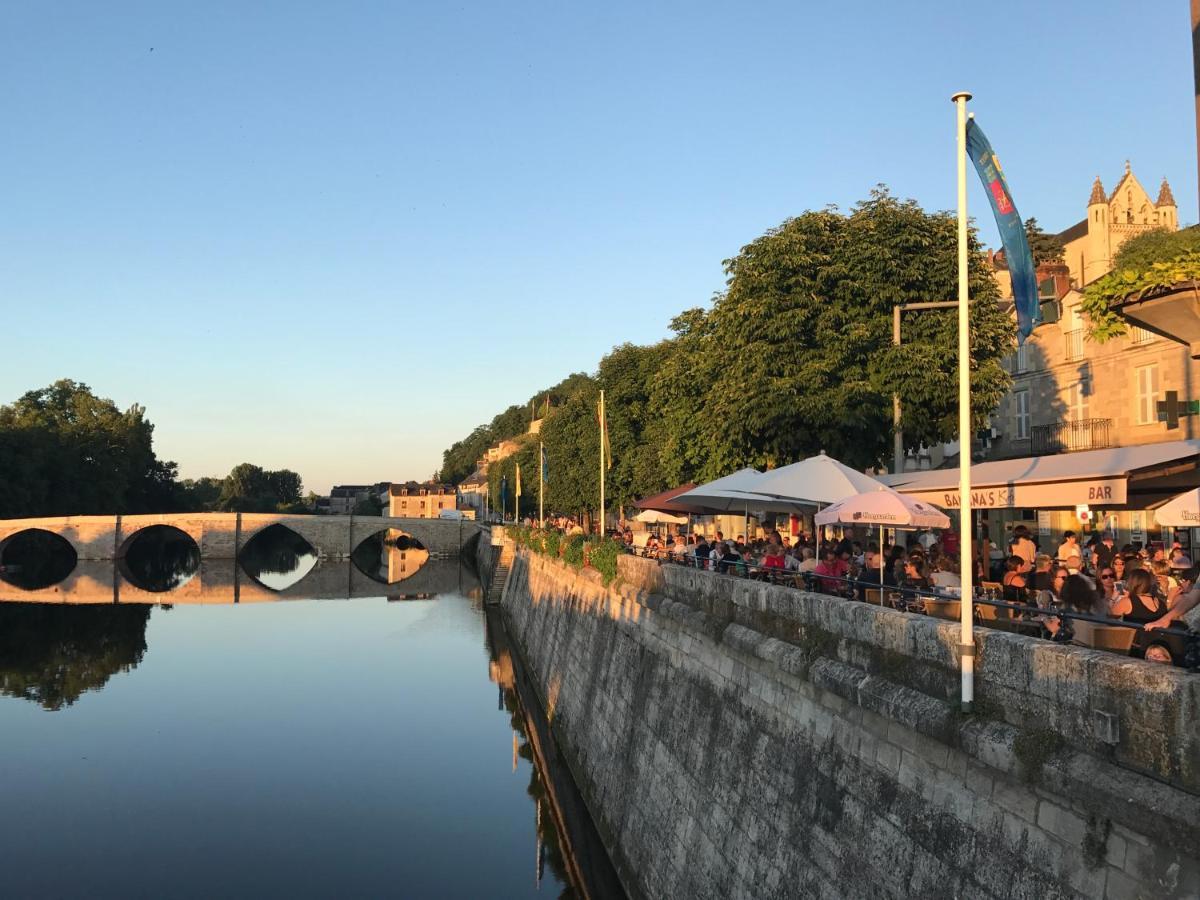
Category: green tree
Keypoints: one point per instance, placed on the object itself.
(201, 494)
(798, 354)
(64, 451)
(368, 506)
(1046, 248)
(1148, 263)
(250, 488)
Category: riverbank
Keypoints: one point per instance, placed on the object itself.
(737, 739)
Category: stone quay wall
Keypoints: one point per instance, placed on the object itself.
(737, 739)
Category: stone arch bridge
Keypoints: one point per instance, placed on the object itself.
(223, 535)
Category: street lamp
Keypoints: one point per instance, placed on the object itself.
(898, 435)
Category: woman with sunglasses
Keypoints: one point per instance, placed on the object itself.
(1106, 585)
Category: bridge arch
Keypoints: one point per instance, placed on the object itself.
(33, 559)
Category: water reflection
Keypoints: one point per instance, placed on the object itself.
(34, 559)
(160, 558)
(52, 654)
(389, 556)
(565, 838)
(277, 557)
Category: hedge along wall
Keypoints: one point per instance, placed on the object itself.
(738, 739)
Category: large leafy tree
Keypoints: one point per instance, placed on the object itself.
(64, 451)
(797, 353)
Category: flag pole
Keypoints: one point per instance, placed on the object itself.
(601, 463)
(967, 638)
(541, 484)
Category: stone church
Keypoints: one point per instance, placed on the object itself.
(1090, 245)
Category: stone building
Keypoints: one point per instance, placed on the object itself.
(473, 491)
(421, 501)
(1070, 393)
(1090, 245)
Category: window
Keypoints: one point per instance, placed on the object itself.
(1146, 381)
(1021, 405)
(1077, 400)
(1140, 335)
(1021, 359)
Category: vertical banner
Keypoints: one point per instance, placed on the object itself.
(1012, 231)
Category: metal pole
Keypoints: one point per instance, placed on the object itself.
(1196, 73)
(541, 486)
(967, 640)
(897, 434)
(881, 564)
(602, 464)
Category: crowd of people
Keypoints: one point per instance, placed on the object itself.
(1045, 593)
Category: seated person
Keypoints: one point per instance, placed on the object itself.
(1015, 586)
(868, 577)
(832, 566)
(945, 573)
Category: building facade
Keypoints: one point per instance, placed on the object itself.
(1072, 394)
(421, 501)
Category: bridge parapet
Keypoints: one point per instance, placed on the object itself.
(222, 535)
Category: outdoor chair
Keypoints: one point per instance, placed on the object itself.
(874, 596)
(943, 609)
(1103, 637)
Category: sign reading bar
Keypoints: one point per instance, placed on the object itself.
(1099, 492)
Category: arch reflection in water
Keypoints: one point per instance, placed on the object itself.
(34, 559)
(52, 654)
(159, 558)
(389, 556)
(277, 557)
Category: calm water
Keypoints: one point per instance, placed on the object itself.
(354, 747)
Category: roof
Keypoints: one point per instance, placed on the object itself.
(1061, 468)
(1165, 197)
(479, 476)
(1078, 230)
(416, 489)
(1098, 195)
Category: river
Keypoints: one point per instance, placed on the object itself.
(313, 747)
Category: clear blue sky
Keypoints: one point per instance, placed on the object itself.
(336, 237)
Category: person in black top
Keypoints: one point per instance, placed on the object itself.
(868, 578)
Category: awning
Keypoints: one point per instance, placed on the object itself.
(1138, 477)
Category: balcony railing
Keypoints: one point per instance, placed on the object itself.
(1065, 437)
(1075, 344)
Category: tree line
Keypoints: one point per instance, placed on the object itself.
(794, 356)
(65, 451)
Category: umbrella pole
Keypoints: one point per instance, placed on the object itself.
(881, 564)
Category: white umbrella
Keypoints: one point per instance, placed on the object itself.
(818, 479)
(883, 507)
(1180, 512)
(658, 517)
(735, 493)
(725, 493)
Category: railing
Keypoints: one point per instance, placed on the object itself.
(1020, 618)
(1075, 344)
(1065, 437)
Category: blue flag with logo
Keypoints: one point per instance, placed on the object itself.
(503, 491)
(1012, 231)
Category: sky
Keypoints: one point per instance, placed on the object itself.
(336, 237)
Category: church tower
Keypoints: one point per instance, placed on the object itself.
(1098, 255)
(1168, 212)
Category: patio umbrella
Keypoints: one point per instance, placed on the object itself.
(736, 493)
(658, 517)
(883, 507)
(819, 479)
(1180, 512)
(667, 501)
(815, 481)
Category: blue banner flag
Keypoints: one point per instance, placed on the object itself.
(503, 491)
(1012, 231)
(545, 467)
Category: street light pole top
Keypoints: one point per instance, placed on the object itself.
(965, 95)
